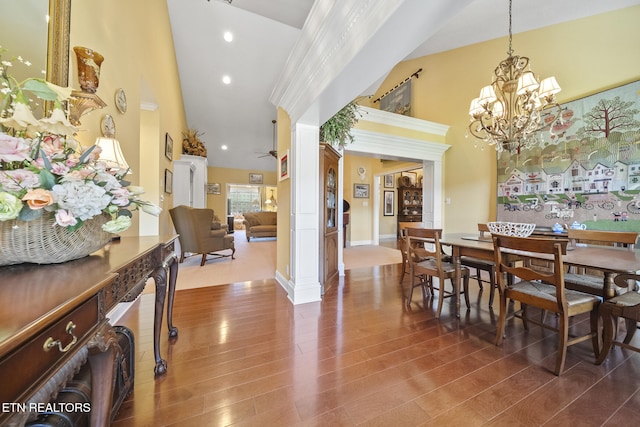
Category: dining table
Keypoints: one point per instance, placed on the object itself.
(607, 259)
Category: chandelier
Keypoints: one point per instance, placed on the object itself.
(511, 111)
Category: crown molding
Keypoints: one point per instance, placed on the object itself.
(398, 120)
(396, 147)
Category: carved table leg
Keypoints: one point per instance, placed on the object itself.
(103, 350)
(160, 278)
(172, 262)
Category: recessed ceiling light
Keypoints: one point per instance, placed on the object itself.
(224, 147)
(226, 80)
(228, 36)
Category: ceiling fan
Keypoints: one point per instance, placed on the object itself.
(273, 153)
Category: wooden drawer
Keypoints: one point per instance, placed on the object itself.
(24, 370)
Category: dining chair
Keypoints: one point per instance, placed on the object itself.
(427, 261)
(541, 289)
(578, 279)
(402, 243)
(625, 306)
(480, 265)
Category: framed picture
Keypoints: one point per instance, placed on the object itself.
(168, 181)
(388, 181)
(213, 188)
(168, 146)
(255, 178)
(284, 166)
(361, 191)
(388, 202)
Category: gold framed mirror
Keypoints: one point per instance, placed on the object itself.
(58, 42)
(38, 31)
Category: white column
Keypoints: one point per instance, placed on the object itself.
(304, 285)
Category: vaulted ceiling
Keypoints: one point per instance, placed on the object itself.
(239, 114)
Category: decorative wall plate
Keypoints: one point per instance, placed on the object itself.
(108, 126)
(121, 100)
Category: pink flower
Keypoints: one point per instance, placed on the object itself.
(65, 219)
(52, 145)
(120, 196)
(18, 179)
(13, 149)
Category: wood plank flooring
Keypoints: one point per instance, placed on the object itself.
(245, 356)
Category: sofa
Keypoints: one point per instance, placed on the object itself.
(260, 224)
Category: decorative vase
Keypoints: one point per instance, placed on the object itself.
(89, 62)
(42, 241)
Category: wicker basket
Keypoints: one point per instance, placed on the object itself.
(41, 241)
(519, 229)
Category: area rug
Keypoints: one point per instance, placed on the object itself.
(370, 256)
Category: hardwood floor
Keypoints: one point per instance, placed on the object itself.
(246, 356)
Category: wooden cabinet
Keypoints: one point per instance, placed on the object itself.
(409, 205)
(329, 182)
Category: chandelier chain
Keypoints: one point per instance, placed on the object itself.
(510, 52)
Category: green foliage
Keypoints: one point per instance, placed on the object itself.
(337, 130)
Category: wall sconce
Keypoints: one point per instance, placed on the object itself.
(84, 101)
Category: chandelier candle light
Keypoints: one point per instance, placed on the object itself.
(508, 113)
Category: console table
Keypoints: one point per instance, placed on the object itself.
(53, 320)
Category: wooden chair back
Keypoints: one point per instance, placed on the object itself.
(483, 228)
(423, 243)
(611, 238)
(523, 271)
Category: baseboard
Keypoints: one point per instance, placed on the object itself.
(388, 237)
(361, 242)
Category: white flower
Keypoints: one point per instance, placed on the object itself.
(135, 190)
(10, 206)
(58, 124)
(150, 208)
(83, 200)
(117, 225)
(22, 118)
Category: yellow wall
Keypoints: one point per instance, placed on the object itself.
(135, 39)
(224, 176)
(283, 246)
(586, 56)
(360, 228)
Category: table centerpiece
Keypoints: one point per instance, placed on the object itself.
(58, 200)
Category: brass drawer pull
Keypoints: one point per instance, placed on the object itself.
(51, 343)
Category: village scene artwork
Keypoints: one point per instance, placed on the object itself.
(585, 169)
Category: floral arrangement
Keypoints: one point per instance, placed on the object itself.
(192, 144)
(43, 169)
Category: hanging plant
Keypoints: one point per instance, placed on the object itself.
(192, 144)
(337, 130)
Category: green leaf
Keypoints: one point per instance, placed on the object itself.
(40, 88)
(83, 158)
(28, 214)
(47, 180)
(124, 212)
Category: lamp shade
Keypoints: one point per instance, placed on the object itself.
(527, 83)
(487, 95)
(112, 154)
(549, 86)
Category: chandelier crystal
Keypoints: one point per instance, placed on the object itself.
(511, 111)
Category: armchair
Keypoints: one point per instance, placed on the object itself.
(200, 234)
